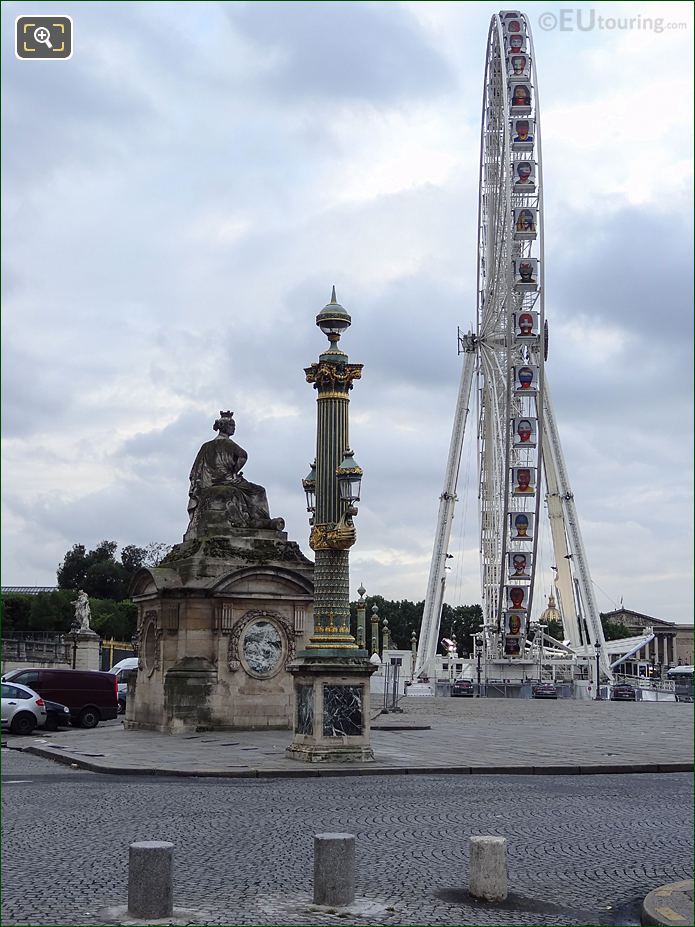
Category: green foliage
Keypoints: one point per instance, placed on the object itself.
(132, 558)
(51, 612)
(72, 571)
(462, 623)
(107, 580)
(54, 612)
(555, 630)
(16, 610)
(404, 617)
(114, 620)
(614, 630)
(100, 574)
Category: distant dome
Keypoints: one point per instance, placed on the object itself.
(552, 612)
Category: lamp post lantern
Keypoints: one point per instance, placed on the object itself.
(479, 643)
(331, 675)
(74, 634)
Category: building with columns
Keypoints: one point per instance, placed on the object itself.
(672, 644)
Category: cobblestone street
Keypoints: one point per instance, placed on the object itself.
(582, 850)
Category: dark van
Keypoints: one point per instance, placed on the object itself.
(91, 696)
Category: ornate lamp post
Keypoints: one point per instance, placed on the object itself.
(331, 676)
(479, 651)
(74, 635)
(597, 645)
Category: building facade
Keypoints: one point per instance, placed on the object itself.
(672, 644)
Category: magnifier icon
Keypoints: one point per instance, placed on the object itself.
(43, 36)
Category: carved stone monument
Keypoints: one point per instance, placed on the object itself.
(225, 611)
(85, 641)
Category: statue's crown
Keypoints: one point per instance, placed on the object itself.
(226, 414)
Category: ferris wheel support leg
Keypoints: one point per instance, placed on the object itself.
(434, 598)
(564, 506)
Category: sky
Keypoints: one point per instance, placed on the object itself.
(181, 195)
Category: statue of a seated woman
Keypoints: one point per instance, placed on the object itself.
(220, 497)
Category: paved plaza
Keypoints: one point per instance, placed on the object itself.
(464, 735)
(582, 849)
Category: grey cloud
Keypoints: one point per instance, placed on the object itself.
(344, 51)
(634, 270)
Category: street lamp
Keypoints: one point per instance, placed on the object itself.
(597, 645)
(479, 642)
(349, 475)
(74, 634)
(331, 675)
(309, 487)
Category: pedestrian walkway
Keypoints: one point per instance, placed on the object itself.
(430, 736)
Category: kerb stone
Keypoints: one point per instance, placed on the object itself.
(334, 869)
(487, 860)
(150, 879)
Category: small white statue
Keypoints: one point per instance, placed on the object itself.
(82, 611)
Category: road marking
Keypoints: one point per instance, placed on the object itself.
(14, 781)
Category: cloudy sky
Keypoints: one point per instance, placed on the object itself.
(181, 195)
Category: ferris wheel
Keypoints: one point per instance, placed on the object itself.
(510, 325)
(521, 467)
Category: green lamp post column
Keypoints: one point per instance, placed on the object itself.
(338, 480)
(331, 675)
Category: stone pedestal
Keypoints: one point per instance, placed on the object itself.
(331, 717)
(219, 620)
(87, 651)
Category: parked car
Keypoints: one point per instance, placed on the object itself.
(22, 709)
(124, 666)
(57, 715)
(623, 693)
(462, 687)
(120, 671)
(91, 696)
(544, 690)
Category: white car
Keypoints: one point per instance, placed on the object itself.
(118, 670)
(22, 708)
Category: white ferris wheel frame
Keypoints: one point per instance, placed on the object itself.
(482, 354)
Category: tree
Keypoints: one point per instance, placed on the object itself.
(100, 574)
(72, 571)
(403, 617)
(555, 630)
(132, 558)
(16, 613)
(53, 611)
(155, 552)
(107, 580)
(114, 620)
(462, 623)
(77, 563)
(614, 630)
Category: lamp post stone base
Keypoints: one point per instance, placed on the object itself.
(331, 716)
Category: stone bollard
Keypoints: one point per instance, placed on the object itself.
(487, 859)
(334, 869)
(150, 879)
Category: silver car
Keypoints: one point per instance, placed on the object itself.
(22, 708)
